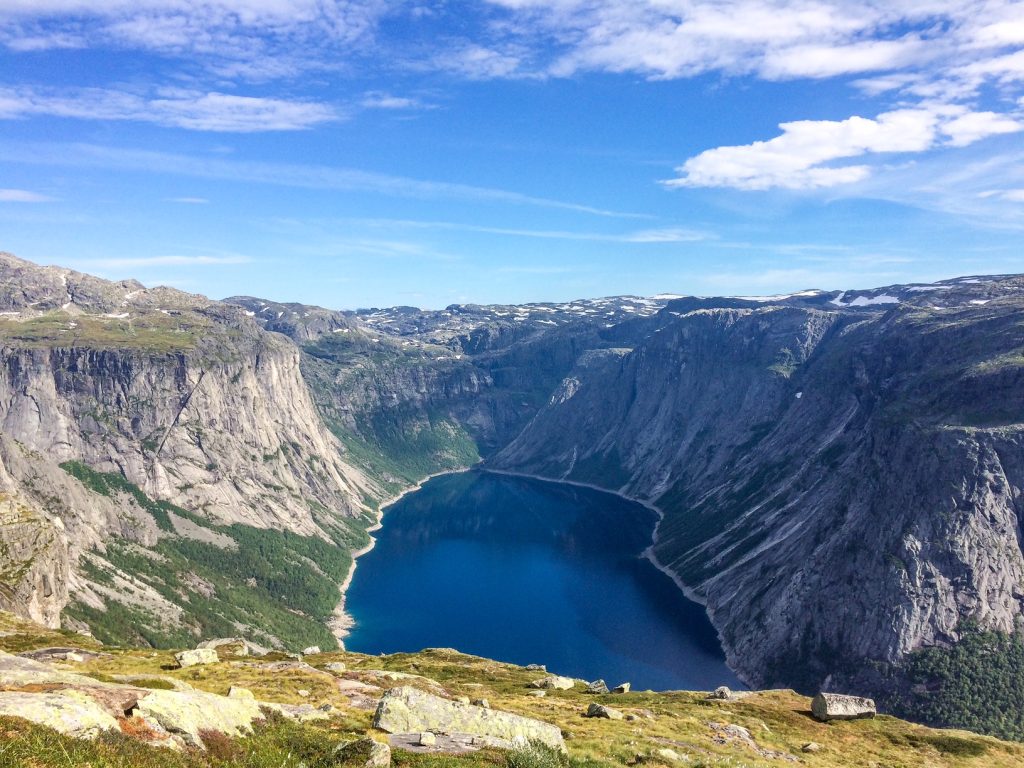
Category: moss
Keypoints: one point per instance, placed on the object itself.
(151, 332)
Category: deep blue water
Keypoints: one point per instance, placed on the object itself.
(528, 571)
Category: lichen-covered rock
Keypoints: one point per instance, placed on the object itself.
(187, 714)
(196, 657)
(408, 710)
(722, 693)
(600, 710)
(837, 706)
(364, 752)
(597, 687)
(554, 682)
(229, 646)
(71, 712)
(621, 688)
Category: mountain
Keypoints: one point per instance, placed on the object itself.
(147, 439)
(839, 473)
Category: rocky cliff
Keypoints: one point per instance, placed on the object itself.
(135, 416)
(839, 473)
(841, 483)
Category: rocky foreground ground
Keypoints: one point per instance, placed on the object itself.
(67, 700)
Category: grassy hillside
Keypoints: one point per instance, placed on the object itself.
(779, 722)
(264, 584)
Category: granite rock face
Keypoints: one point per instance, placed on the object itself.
(189, 400)
(840, 475)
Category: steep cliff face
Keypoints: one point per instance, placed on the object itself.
(202, 417)
(839, 487)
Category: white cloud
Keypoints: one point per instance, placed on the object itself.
(188, 200)
(384, 100)
(974, 126)
(183, 109)
(22, 196)
(169, 261)
(803, 156)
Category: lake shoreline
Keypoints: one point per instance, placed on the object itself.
(341, 622)
(647, 554)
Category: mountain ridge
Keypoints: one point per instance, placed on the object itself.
(860, 449)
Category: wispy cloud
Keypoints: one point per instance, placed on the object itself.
(384, 100)
(280, 174)
(141, 262)
(220, 112)
(660, 235)
(23, 196)
(239, 38)
(188, 200)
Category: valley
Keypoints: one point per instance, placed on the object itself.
(839, 472)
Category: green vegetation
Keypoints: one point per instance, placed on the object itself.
(111, 484)
(678, 720)
(977, 684)
(278, 583)
(151, 331)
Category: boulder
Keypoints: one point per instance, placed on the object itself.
(312, 650)
(408, 710)
(556, 682)
(621, 688)
(666, 754)
(236, 692)
(234, 646)
(365, 752)
(70, 712)
(722, 692)
(598, 686)
(187, 714)
(196, 657)
(481, 703)
(337, 667)
(837, 706)
(427, 739)
(811, 747)
(600, 710)
(536, 667)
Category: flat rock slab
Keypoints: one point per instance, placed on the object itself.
(446, 743)
(836, 706)
(408, 710)
(70, 712)
(186, 714)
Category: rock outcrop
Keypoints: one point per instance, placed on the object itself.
(838, 706)
(408, 710)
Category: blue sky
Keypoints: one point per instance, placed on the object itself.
(365, 153)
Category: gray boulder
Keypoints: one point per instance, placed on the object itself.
(408, 710)
(598, 686)
(600, 710)
(837, 706)
(69, 712)
(196, 657)
(555, 682)
(722, 693)
(621, 688)
(188, 714)
(365, 752)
